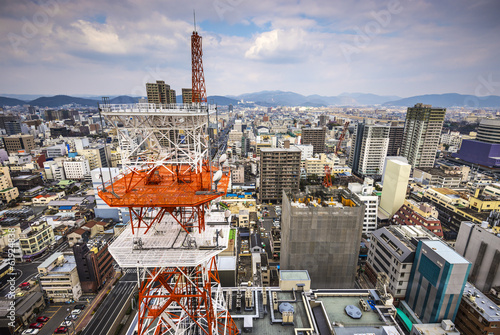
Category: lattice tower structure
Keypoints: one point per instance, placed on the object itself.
(174, 236)
(198, 77)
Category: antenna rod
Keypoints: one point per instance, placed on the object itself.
(194, 20)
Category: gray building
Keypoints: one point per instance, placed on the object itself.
(392, 251)
(279, 170)
(321, 233)
(481, 246)
(437, 281)
(369, 149)
(316, 137)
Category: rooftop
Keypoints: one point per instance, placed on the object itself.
(447, 253)
(487, 308)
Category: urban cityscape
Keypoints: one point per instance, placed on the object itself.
(148, 207)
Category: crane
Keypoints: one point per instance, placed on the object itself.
(341, 138)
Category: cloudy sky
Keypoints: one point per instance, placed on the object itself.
(386, 47)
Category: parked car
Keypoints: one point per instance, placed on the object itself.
(79, 306)
(42, 319)
(71, 317)
(61, 330)
(25, 286)
(36, 325)
(66, 324)
(76, 311)
(30, 331)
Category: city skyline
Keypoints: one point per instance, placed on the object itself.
(402, 48)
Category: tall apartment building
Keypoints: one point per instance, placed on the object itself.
(279, 170)
(15, 143)
(7, 191)
(396, 134)
(480, 244)
(316, 137)
(187, 95)
(392, 251)
(437, 281)
(322, 236)
(13, 127)
(94, 265)
(160, 93)
(365, 194)
(369, 149)
(396, 176)
(422, 134)
(97, 156)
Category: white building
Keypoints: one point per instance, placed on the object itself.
(57, 151)
(369, 149)
(54, 170)
(306, 151)
(77, 168)
(365, 194)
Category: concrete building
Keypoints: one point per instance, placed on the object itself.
(316, 165)
(422, 134)
(238, 175)
(396, 134)
(59, 278)
(101, 209)
(160, 93)
(365, 194)
(316, 137)
(35, 239)
(413, 213)
(477, 314)
(480, 244)
(77, 168)
(7, 190)
(307, 151)
(15, 143)
(396, 178)
(438, 177)
(369, 149)
(322, 236)
(392, 251)
(187, 95)
(94, 264)
(54, 170)
(485, 149)
(437, 281)
(58, 150)
(98, 156)
(279, 170)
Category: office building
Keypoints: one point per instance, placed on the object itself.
(35, 239)
(422, 134)
(15, 143)
(59, 278)
(480, 244)
(392, 251)
(477, 314)
(279, 170)
(13, 127)
(98, 156)
(187, 95)
(160, 93)
(94, 264)
(414, 213)
(316, 137)
(485, 149)
(365, 194)
(369, 149)
(7, 190)
(437, 281)
(397, 174)
(322, 235)
(77, 168)
(396, 134)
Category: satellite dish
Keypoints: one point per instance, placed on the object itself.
(218, 176)
(227, 213)
(222, 158)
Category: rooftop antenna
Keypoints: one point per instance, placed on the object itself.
(194, 20)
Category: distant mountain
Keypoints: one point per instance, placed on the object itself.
(369, 99)
(4, 101)
(60, 100)
(448, 100)
(222, 101)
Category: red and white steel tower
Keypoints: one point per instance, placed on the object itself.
(168, 183)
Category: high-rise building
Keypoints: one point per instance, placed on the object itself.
(160, 93)
(323, 120)
(322, 236)
(16, 143)
(93, 265)
(392, 251)
(480, 244)
(422, 134)
(369, 149)
(279, 170)
(396, 134)
(437, 281)
(397, 174)
(316, 137)
(485, 149)
(187, 95)
(365, 194)
(13, 127)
